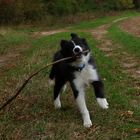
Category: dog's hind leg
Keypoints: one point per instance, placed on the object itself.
(57, 90)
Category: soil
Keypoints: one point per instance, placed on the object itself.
(132, 26)
(42, 33)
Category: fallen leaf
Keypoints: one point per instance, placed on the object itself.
(127, 113)
(136, 130)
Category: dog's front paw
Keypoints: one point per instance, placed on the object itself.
(103, 103)
(88, 124)
(57, 104)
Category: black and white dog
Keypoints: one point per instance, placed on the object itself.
(79, 72)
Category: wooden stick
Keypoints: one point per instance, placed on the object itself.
(31, 76)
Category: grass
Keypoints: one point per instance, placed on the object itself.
(32, 114)
(129, 42)
(10, 39)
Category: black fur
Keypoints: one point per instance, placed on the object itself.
(63, 72)
(67, 71)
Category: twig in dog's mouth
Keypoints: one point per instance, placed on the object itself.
(34, 74)
(79, 55)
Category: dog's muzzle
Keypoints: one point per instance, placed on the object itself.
(77, 50)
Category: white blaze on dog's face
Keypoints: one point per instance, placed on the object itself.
(76, 46)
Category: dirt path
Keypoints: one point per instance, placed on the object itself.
(132, 26)
(42, 33)
(128, 62)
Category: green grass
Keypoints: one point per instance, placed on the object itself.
(32, 114)
(10, 39)
(129, 42)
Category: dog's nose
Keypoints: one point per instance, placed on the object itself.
(77, 50)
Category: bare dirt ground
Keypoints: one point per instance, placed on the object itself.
(132, 26)
(42, 33)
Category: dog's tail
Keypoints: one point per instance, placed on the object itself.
(52, 76)
(52, 73)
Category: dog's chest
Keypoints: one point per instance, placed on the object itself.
(87, 75)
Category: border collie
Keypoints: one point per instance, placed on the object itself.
(79, 71)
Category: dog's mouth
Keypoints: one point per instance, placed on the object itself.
(80, 54)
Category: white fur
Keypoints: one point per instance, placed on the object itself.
(83, 60)
(64, 88)
(73, 42)
(103, 103)
(87, 75)
(80, 100)
(77, 46)
(57, 103)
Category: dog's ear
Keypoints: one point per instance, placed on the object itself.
(74, 35)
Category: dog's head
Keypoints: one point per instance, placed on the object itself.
(77, 47)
